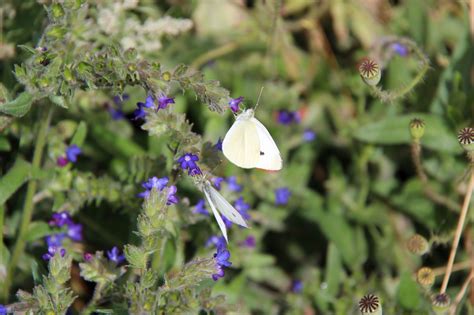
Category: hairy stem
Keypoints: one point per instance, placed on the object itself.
(429, 192)
(28, 206)
(457, 235)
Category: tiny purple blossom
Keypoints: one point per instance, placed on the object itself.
(219, 273)
(172, 199)
(249, 242)
(218, 241)
(200, 207)
(234, 103)
(60, 219)
(74, 232)
(163, 102)
(282, 195)
(194, 171)
(3, 310)
(309, 135)
(118, 100)
(153, 182)
(216, 181)
(88, 257)
(62, 161)
(218, 145)
(233, 185)
(139, 113)
(286, 117)
(72, 152)
(116, 113)
(241, 206)
(114, 255)
(188, 161)
(297, 286)
(52, 251)
(400, 49)
(55, 240)
(222, 257)
(149, 102)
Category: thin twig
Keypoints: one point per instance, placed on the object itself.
(460, 295)
(457, 235)
(456, 267)
(429, 192)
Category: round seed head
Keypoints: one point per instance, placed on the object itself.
(417, 128)
(369, 71)
(370, 305)
(466, 138)
(418, 245)
(425, 277)
(440, 303)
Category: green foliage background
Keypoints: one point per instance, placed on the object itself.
(356, 197)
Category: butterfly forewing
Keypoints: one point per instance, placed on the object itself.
(270, 158)
(225, 208)
(219, 220)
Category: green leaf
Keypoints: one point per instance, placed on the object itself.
(408, 293)
(80, 134)
(37, 230)
(19, 106)
(395, 130)
(4, 144)
(59, 100)
(13, 179)
(334, 271)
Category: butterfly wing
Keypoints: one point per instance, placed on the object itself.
(241, 144)
(269, 158)
(226, 208)
(219, 220)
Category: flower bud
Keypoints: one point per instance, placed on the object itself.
(418, 245)
(417, 128)
(466, 138)
(369, 71)
(166, 76)
(440, 303)
(57, 10)
(425, 277)
(370, 305)
(68, 75)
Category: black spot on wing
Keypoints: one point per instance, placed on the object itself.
(262, 153)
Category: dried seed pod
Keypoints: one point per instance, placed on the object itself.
(425, 277)
(418, 245)
(370, 305)
(370, 72)
(440, 303)
(466, 138)
(417, 128)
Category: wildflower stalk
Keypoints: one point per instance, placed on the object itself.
(457, 235)
(28, 207)
(461, 293)
(420, 172)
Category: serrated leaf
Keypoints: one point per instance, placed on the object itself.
(395, 130)
(19, 106)
(59, 100)
(13, 179)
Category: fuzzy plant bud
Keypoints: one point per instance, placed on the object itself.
(68, 75)
(57, 10)
(425, 277)
(418, 245)
(166, 76)
(466, 139)
(370, 305)
(57, 32)
(370, 72)
(417, 129)
(440, 303)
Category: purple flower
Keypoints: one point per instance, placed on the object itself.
(3, 309)
(241, 206)
(52, 251)
(282, 195)
(60, 219)
(249, 242)
(163, 102)
(194, 171)
(297, 286)
(88, 257)
(74, 231)
(114, 255)
(55, 240)
(153, 182)
(400, 49)
(218, 241)
(219, 273)
(72, 152)
(218, 145)
(309, 135)
(200, 207)
(188, 161)
(116, 114)
(286, 117)
(118, 100)
(216, 181)
(233, 185)
(221, 258)
(149, 102)
(172, 199)
(234, 103)
(139, 113)
(62, 161)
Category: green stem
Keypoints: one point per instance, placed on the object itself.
(28, 205)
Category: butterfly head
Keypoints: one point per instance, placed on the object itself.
(246, 114)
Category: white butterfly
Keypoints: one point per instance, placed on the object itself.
(219, 204)
(248, 144)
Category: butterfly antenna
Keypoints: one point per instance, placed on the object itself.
(258, 99)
